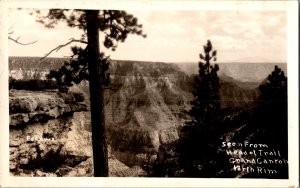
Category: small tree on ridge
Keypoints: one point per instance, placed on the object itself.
(197, 147)
(206, 89)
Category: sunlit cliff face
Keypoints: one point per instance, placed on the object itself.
(145, 107)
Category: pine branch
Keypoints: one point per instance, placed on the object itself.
(18, 42)
(63, 45)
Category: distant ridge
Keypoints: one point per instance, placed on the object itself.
(244, 72)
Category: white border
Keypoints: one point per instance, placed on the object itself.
(292, 58)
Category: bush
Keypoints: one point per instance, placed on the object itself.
(33, 84)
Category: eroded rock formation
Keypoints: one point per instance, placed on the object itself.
(50, 132)
(47, 134)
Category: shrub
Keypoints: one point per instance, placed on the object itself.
(33, 84)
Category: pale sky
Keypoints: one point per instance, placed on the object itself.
(172, 36)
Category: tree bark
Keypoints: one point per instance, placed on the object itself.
(100, 157)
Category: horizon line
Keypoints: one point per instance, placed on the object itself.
(153, 61)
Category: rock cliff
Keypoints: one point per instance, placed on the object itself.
(50, 133)
(144, 107)
(47, 135)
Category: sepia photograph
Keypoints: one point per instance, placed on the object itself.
(171, 93)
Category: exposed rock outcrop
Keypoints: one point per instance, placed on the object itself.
(143, 107)
(27, 106)
(47, 136)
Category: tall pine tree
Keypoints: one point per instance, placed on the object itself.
(115, 25)
(269, 122)
(198, 144)
(206, 89)
(272, 110)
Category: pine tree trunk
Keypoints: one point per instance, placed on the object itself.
(96, 96)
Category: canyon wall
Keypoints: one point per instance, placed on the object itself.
(145, 106)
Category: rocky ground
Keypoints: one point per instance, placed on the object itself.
(50, 136)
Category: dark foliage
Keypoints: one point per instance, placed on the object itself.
(272, 110)
(33, 84)
(206, 89)
(275, 88)
(76, 70)
(116, 25)
(199, 140)
(269, 120)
